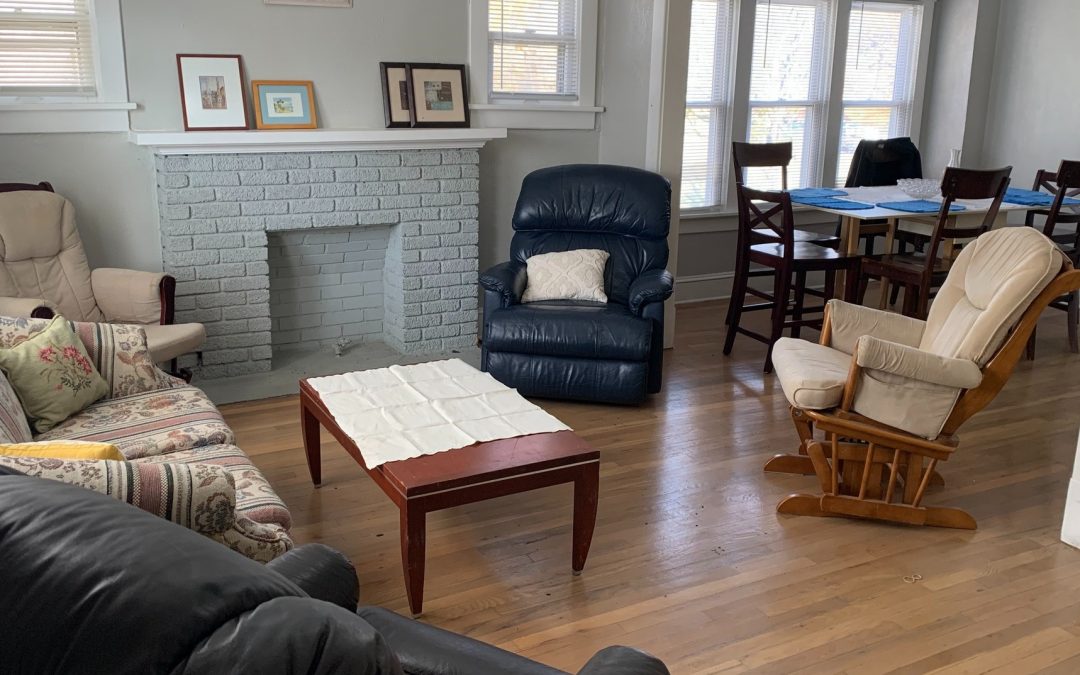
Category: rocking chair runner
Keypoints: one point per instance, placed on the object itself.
(887, 393)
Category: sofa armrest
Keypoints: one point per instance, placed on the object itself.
(322, 572)
(875, 354)
(507, 280)
(848, 323)
(652, 286)
(201, 497)
(423, 649)
(35, 308)
(130, 296)
(624, 661)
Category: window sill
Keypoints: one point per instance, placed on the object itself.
(73, 117)
(534, 116)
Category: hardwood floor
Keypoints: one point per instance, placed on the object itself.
(690, 561)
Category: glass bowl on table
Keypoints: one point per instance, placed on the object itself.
(921, 188)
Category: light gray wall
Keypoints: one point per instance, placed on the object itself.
(948, 84)
(625, 38)
(1033, 104)
(111, 183)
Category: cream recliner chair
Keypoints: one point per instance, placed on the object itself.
(888, 391)
(43, 271)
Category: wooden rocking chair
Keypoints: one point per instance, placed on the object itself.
(886, 394)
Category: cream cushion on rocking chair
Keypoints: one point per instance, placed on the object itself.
(913, 371)
(42, 262)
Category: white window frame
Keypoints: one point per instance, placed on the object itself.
(522, 113)
(105, 112)
(740, 126)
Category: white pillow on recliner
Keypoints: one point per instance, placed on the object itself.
(566, 275)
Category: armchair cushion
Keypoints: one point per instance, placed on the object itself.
(569, 328)
(577, 274)
(23, 306)
(652, 286)
(909, 362)
(507, 279)
(201, 497)
(811, 375)
(128, 296)
(169, 342)
(849, 322)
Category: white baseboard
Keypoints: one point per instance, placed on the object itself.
(702, 287)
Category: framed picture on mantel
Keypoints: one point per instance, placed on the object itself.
(395, 93)
(212, 92)
(438, 95)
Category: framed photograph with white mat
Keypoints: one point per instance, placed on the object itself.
(395, 91)
(212, 92)
(439, 95)
(284, 104)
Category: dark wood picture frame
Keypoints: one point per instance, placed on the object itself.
(460, 69)
(388, 117)
(243, 91)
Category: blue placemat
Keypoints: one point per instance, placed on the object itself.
(813, 193)
(833, 203)
(919, 206)
(1033, 198)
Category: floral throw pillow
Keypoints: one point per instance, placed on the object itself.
(52, 374)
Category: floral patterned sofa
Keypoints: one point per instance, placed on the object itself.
(181, 461)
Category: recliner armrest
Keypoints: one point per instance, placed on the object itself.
(624, 661)
(652, 286)
(35, 308)
(322, 572)
(131, 296)
(507, 279)
(890, 357)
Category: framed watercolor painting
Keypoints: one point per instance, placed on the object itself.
(438, 95)
(284, 104)
(395, 93)
(212, 92)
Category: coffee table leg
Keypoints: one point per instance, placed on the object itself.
(309, 425)
(586, 495)
(413, 549)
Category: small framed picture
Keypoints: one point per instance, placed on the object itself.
(284, 104)
(395, 94)
(438, 95)
(212, 92)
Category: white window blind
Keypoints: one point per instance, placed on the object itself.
(46, 48)
(707, 132)
(789, 86)
(879, 78)
(534, 49)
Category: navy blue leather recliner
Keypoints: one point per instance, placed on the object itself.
(588, 351)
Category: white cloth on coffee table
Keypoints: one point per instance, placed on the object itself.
(407, 411)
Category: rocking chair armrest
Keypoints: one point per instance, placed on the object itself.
(849, 322)
(876, 354)
(131, 296)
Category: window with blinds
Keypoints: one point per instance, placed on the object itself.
(534, 49)
(707, 132)
(46, 48)
(879, 78)
(789, 86)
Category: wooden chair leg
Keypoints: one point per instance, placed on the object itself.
(1029, 349)
(894, 295)
(799, 463)
(738, 297)
(852, 279)
(781, 294)
(800, 301)
(739, 255)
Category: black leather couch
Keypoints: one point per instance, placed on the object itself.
(92, 585)
(613, 352)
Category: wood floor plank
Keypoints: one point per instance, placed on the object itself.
(690, 560)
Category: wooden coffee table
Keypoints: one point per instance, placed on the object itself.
(471, 474)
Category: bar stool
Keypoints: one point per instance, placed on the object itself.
(1065, 182)
(789, 261)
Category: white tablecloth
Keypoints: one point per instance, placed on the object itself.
(407, 411)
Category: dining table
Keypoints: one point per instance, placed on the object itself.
(852, 220)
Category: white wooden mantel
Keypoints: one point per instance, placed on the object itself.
(313, 140)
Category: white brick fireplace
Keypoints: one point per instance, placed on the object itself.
(294, 240)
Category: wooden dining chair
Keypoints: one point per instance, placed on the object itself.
(789, 261)
(774, 156)
(1065, 182)
(920, 273)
